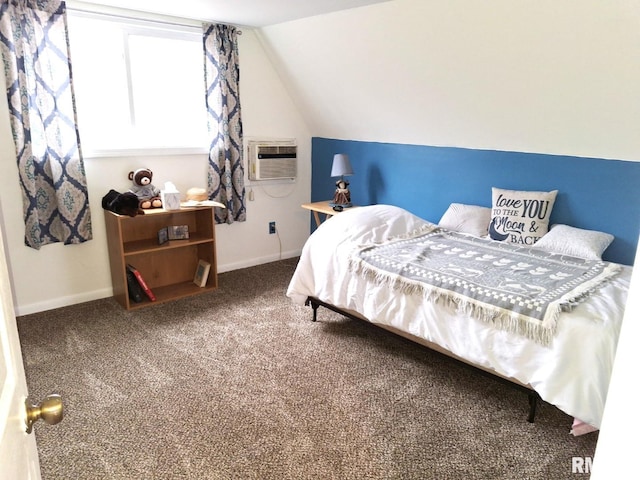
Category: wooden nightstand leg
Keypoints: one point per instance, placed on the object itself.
(317, 218)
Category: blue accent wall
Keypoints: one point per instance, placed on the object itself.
(593, 193)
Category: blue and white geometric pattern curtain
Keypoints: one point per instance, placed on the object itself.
(35, 50)
(225, 177)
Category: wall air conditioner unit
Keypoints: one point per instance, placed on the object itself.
(273, 160)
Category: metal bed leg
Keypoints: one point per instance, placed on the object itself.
(533, 404)
(315, 306)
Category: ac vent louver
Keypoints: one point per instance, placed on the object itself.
(273, 161)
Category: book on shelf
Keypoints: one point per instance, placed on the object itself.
(202, 273)
(141, 282)
(133, 287)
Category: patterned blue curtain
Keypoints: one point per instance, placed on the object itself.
(35, 50)
(225, 178)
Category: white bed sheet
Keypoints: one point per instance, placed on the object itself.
(572, 373)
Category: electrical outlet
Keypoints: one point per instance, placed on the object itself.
(272, 227)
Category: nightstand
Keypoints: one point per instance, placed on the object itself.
(321, 207)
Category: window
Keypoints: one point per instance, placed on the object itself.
(139, 85)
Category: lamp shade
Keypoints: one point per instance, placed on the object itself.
(341, 165)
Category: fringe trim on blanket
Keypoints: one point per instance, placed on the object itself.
(541, 332)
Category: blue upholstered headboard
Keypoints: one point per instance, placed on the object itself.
(593, 193)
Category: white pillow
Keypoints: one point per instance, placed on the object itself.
(471, 219)
(575, 242)
(520, 217)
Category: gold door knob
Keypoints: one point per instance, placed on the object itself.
(50, 410)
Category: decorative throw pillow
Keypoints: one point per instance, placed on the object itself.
(471, 219)
(576, 242)
(520, 217)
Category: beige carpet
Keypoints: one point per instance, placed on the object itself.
(240, 384)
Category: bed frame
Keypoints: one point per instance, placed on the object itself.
(532, 394)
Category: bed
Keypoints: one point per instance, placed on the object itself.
(568, 364)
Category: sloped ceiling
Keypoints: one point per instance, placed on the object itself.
(551, 76)
(251, 13)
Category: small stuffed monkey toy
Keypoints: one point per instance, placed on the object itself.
(342, 195)
(148, 195)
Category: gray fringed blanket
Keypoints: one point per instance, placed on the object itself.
(518, 289)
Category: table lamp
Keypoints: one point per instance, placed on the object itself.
(341, 168)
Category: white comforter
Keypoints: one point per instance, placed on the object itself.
(572, 373)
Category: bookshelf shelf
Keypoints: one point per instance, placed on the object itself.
(147, 245)
(171, 292)
(168, 269)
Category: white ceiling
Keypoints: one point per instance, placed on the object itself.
(250, 13)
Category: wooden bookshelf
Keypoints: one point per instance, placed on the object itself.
(168, 269)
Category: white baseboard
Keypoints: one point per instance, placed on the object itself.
(63, 301)
(108, 292)
(252, 262)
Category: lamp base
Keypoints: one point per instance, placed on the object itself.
(343, 205)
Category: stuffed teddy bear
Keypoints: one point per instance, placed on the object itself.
(122, 203)
(148, 195)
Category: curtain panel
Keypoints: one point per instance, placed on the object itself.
(35, 51)
(225, 176)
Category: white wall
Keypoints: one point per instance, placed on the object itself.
(616, 456)
(550, 76)
(58, 275)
